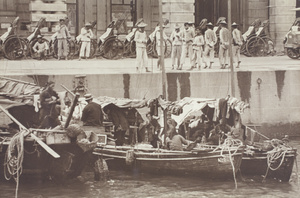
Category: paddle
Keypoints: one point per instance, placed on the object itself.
(38, 140)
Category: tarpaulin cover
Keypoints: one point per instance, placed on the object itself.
(16, 88)
(195, 105)
(120, 102)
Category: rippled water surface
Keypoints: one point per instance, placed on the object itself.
(125, 184)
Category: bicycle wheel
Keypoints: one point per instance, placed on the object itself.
(15, 48)
(113, 48)
(293, 53)
(168, 49)
(256, 46)
(269, 47)
(33, 42)
(150, 47)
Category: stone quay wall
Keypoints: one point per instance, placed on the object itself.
(273, 96)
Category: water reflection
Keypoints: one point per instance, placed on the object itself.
(125, 184)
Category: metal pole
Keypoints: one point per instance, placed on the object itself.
(230, 50)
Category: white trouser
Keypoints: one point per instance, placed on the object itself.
(197, 57)
(62, 46)
(209, 54)
(85, 48)
(176, 53)
(236, 51)
(187, 48)
(141, 58)
(223, 55)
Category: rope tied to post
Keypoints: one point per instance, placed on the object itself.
(277, 153)
(230, 145)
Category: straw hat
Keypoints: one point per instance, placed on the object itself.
(88, 24)
(209, 24)
(176, 26)
(223, 22)
(88, 97)
(142, 24)
(234, 24)
(39, 36)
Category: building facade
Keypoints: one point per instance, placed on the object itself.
(279, 12)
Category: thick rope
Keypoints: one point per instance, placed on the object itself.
(228, 145)
(14, 159)
(279, 151)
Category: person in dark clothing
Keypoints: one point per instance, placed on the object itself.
(120, 123)
(92, 114)
(153, 130)
(49, 110)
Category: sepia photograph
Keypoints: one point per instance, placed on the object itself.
(149, 98)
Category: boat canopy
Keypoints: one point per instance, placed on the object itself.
(181, 109)
(104, 101)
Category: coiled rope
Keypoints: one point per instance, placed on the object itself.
(279, 151)
(228, 145)
(14, 159)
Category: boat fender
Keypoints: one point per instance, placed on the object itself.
(130, 157)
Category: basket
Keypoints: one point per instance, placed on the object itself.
(87, 145)
(74, 130)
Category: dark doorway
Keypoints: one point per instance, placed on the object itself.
(213, 9)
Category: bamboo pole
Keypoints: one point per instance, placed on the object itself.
(68, 90)
(230, 50)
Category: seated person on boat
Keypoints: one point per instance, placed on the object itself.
(92, 115)
(173, 139)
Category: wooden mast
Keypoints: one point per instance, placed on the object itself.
(230, 50)
(162, 62)
(162, 55)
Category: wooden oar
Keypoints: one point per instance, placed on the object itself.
(38, 140)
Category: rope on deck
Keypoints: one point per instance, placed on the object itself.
(228, 145)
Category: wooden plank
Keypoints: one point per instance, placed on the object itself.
(49, 17)
(47, 7)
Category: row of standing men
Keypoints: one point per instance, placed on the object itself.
(193, 42)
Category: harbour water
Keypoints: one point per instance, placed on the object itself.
(126, 184)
